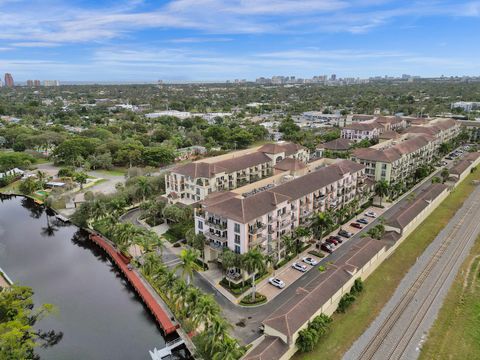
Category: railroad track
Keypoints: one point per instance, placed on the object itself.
(399, 349)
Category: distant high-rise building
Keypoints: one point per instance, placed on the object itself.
(29, 83)
(9, 80)
(51, 83)
(36, 83)
(333, 77)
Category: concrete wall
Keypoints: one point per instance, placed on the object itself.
(467, 171)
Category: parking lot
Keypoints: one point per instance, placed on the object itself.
(289, 275)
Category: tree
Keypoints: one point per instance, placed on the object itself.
(382, 189)
(321, 221)
(444, 174)
(144, 188)
(254, 262)
(18, 318)
(42, 177)
(229, 260)
(81, 178)
(28, 186)
(188, 259)
(229, 350)
(289, 244)
(436, 180)
(307, 339)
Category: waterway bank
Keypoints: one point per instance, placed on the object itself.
(99, 312)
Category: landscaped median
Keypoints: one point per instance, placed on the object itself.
(381, 284)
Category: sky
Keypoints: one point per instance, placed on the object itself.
(210, 40)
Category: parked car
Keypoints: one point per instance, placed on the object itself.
(331, 240)
(356, 225)
(276, 282)
(338, 238)
(371, 214)
(362, 221)
(345, 233)
(449, 158)
(310, 261)
(444, 163)
(299, 267)
(327, 247)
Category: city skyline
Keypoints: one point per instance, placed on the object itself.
(218, 40)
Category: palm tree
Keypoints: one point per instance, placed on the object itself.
(197, 241)
(97, 210)
(144, 188)
(340, 214)
(151, 264)
(192, 298)
(188, 264)
(289, 244)
(254, 262)
(321, 221)
(41, 176)
(229, 350)
(300, 234)
(206, 311)
(166, 283)
(229, 260)
(381, 189)
(179, 292)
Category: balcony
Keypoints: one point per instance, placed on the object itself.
(216, 245)
(256, 242)
(216, 224)
(283, 216)
(215, 237)
(256, 228)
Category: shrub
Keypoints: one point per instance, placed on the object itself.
(259, 299)
(321, 268)
(308, 337)
(316, 253)
(357, 287)
(345, 302)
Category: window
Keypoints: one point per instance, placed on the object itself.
(200, 225)
(237, 249)
(237, 239)
(236, 228)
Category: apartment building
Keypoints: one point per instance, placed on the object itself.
(260, 220)
(192, 182)
(443, 130)
(372, 127)
(396, 161)
(359, 131)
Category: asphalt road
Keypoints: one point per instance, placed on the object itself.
(401, 328)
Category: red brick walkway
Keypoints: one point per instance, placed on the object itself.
(157, 311)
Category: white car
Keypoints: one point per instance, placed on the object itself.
(276, 282)
(299, 267)
(310, 261)
(371, 214)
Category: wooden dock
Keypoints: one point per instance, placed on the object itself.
(122, 262)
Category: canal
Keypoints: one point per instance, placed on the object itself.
(98, 312)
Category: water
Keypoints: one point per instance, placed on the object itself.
(99, 313)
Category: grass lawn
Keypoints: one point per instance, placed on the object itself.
(456, 331)
(114, 172)
(11, 188)
(380, 286)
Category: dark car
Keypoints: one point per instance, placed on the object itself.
(338, 238)
(331, 240)
(327, 247)
(362, 221)
(345, 233)
(356, 225)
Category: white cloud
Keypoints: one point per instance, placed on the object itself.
(33, 44)
(57, 22)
